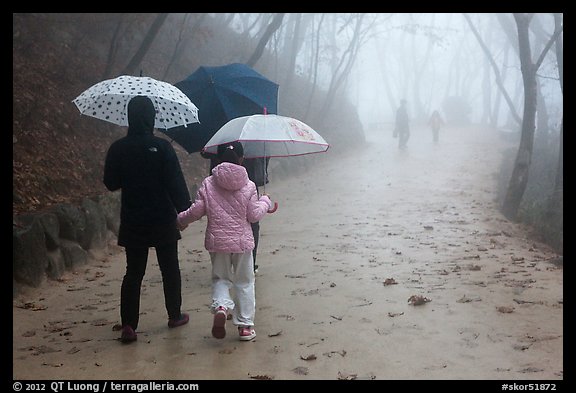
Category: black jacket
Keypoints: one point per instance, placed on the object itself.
(147, 170)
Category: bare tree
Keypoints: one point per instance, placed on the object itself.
(345, 63)
(148, 39)
(272, 27)
(497, 75)
(113, 50)
(559, 184)
(178, 48)
(316, 62)
(519, 177)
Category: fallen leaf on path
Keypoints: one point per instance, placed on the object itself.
(263, 377)
(329, 354)
(29, 333)
(465, 299)
(338, 318)
(53, 364)
(516, 259)
(474, 267)
(346, 377)
(520, 301)
(32, 306)
(72, 289)
(308, 357)
(395, 314)
(531, 370)
(73, 350)
(389, 281)
(505, 309)
(42, 349)
(417, 300)
(275, 334)
(520, 347)
(429, 227)
(117, 327)
(300, 370)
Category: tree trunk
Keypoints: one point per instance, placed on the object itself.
(559, 183)
(146, 43)
(295, 45)
(494, 118)
(272, 27)
(519, 177)
(178, 48)
(497, 75)
(113, 50)
(347, 60)
(316, 63)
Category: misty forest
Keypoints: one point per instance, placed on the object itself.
(342, 73)
(379, 195)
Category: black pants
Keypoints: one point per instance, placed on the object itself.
(256, 233)
(403, 139)
(136, 261)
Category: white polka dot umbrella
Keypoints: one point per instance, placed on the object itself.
(108, 100)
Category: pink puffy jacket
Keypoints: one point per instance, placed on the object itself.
(230, 201)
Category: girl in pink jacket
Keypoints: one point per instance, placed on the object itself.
(231, 203)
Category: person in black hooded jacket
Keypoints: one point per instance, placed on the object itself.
(146, 169)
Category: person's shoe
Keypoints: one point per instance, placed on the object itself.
(128, 335)
(219, 324)
(246, 333)
(183, 320)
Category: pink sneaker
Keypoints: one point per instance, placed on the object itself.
(219, 324)
(246, 333)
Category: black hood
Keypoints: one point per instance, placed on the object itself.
(141, 115)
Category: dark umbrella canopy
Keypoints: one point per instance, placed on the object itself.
(222, 93)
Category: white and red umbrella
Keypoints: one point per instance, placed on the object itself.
(264, 136)
(269, 136)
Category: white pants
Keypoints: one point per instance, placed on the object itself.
(231, 270)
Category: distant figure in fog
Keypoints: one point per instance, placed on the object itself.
(402, 127)
(435, 123)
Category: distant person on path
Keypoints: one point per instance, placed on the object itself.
(146, 169)
(258, 173)
(435, 123)
(230, 201)
(402, 127)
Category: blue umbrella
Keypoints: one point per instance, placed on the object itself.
(221, 94)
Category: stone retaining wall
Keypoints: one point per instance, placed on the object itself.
(47, 244)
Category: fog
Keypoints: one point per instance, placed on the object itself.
(426, 58)
(345, 74)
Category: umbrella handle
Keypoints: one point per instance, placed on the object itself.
(274, 208)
